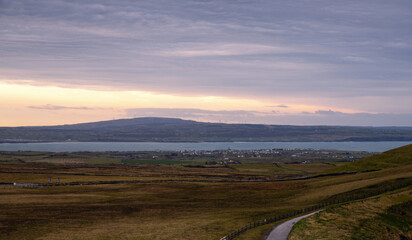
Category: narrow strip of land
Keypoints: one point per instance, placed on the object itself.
(281, 232)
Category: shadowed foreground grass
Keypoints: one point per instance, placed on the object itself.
(384, 217)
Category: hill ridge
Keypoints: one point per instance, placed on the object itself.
(161, 129)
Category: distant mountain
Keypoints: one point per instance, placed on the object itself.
(178, 130)
(134, 122)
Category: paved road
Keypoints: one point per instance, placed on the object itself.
(281, 232)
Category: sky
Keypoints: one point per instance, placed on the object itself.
(303, 62)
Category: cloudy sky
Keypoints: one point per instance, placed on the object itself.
(300, 62)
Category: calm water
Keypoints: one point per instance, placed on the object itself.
(156, 146)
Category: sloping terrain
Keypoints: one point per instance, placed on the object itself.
(392, 158)
(152, 201)
(382, 218)
(385, 216)
(178, 130)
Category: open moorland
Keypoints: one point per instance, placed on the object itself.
(388, 216)
(92, 196)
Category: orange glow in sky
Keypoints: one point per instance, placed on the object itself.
(27, 105)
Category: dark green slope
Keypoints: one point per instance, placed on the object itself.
(392, 158)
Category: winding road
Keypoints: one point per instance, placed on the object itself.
(281, 232)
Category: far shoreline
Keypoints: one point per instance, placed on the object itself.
(74, 146)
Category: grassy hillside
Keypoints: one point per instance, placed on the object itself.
(392, 158)
(384, 217)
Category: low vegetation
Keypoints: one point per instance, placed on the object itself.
(392, 158)
(170, 201)
(387, 216)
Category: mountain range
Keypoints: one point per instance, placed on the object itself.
(152, 129)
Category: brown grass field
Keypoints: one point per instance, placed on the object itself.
(388, 216)
(161, 210)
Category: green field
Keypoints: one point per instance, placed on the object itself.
(392, 158)
(386, 216)
(172, 201)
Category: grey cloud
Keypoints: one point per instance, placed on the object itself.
(278, 106)
(328, 112)
(195, 114)
(299, 49)
(227, 49)
(304, 118)
(358, 59)
(57, 107)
